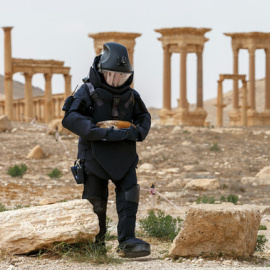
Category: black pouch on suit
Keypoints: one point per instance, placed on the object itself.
(78, 172)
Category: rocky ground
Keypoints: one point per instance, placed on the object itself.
(175, 156)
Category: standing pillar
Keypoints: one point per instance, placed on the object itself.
(166, 79)
(67, 86)
(199, 80)
(220, 105)
(48, 98)
(130, 54)
(183, 79)
(244, 104)
(252, 79)
(8, 74)
(28, 96)
(235, 82)
(267, 80)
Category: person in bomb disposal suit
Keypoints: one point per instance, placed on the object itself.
(110, 153)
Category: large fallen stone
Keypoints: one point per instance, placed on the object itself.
(29, 229)
(56, 124)
(202, 184)
(213, 229)
(36, 153)
(5, 123)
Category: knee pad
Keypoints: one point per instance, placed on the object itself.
(133, 194)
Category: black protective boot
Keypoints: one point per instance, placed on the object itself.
(100, 208)
(133, 247)
(127, 206)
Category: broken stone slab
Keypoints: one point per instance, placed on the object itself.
(36, 153)
(213, 229)
(29, 229)
(203, 184)
(256, 181)
(264, 172)
(5, 123)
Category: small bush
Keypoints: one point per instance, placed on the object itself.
(214, 147)
(161, 226)
(262, 228)
(17, 170)
(206, 199)
(3, 208)
(232, 198)
(82, 251)
(56, 173)
(261, 240)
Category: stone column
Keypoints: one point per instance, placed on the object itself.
(220, 105)
(183, 79)
(244, 104)
(48, 99)
(67, 86)
(28, 97)
(252, 78)
(235, 82)
(8, 74)
(267, 79)
(199, 79)
(166, 79)
(130, 55)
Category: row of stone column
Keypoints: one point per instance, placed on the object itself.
(183, 74)
(252, 93)
(38, 109)
(28, 104)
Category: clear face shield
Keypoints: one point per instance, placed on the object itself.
(115, 79)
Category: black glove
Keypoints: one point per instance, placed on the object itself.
(116, 134)
(133, 133)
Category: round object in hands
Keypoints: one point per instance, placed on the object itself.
(117, 124)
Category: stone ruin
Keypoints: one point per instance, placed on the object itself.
(182, 40)
(44, 108)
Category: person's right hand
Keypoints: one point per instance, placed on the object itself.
(116, 134)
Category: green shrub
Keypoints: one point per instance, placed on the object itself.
(56, 173)
(261, 240)
(82, 251)
(3, 208)
(262, 228)
(161, 226)
(17, 170)
(232, 198)
(214, 147)
(206, 199)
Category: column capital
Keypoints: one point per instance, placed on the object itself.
(28, 75)
(252, 50)
(235, 50)
(47, 76)
(199, 49)
(7, 28)
(267, 51)
(166, 48)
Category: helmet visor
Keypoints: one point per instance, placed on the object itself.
(115, 79)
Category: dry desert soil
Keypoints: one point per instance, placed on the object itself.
(175, 153)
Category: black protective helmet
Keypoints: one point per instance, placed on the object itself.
(114, 57)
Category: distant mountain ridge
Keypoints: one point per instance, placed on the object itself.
(18, 89)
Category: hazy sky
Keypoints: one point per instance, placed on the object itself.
(58, 29)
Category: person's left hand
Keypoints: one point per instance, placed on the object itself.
(133, 134)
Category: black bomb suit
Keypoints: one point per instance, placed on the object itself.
(109, 153)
